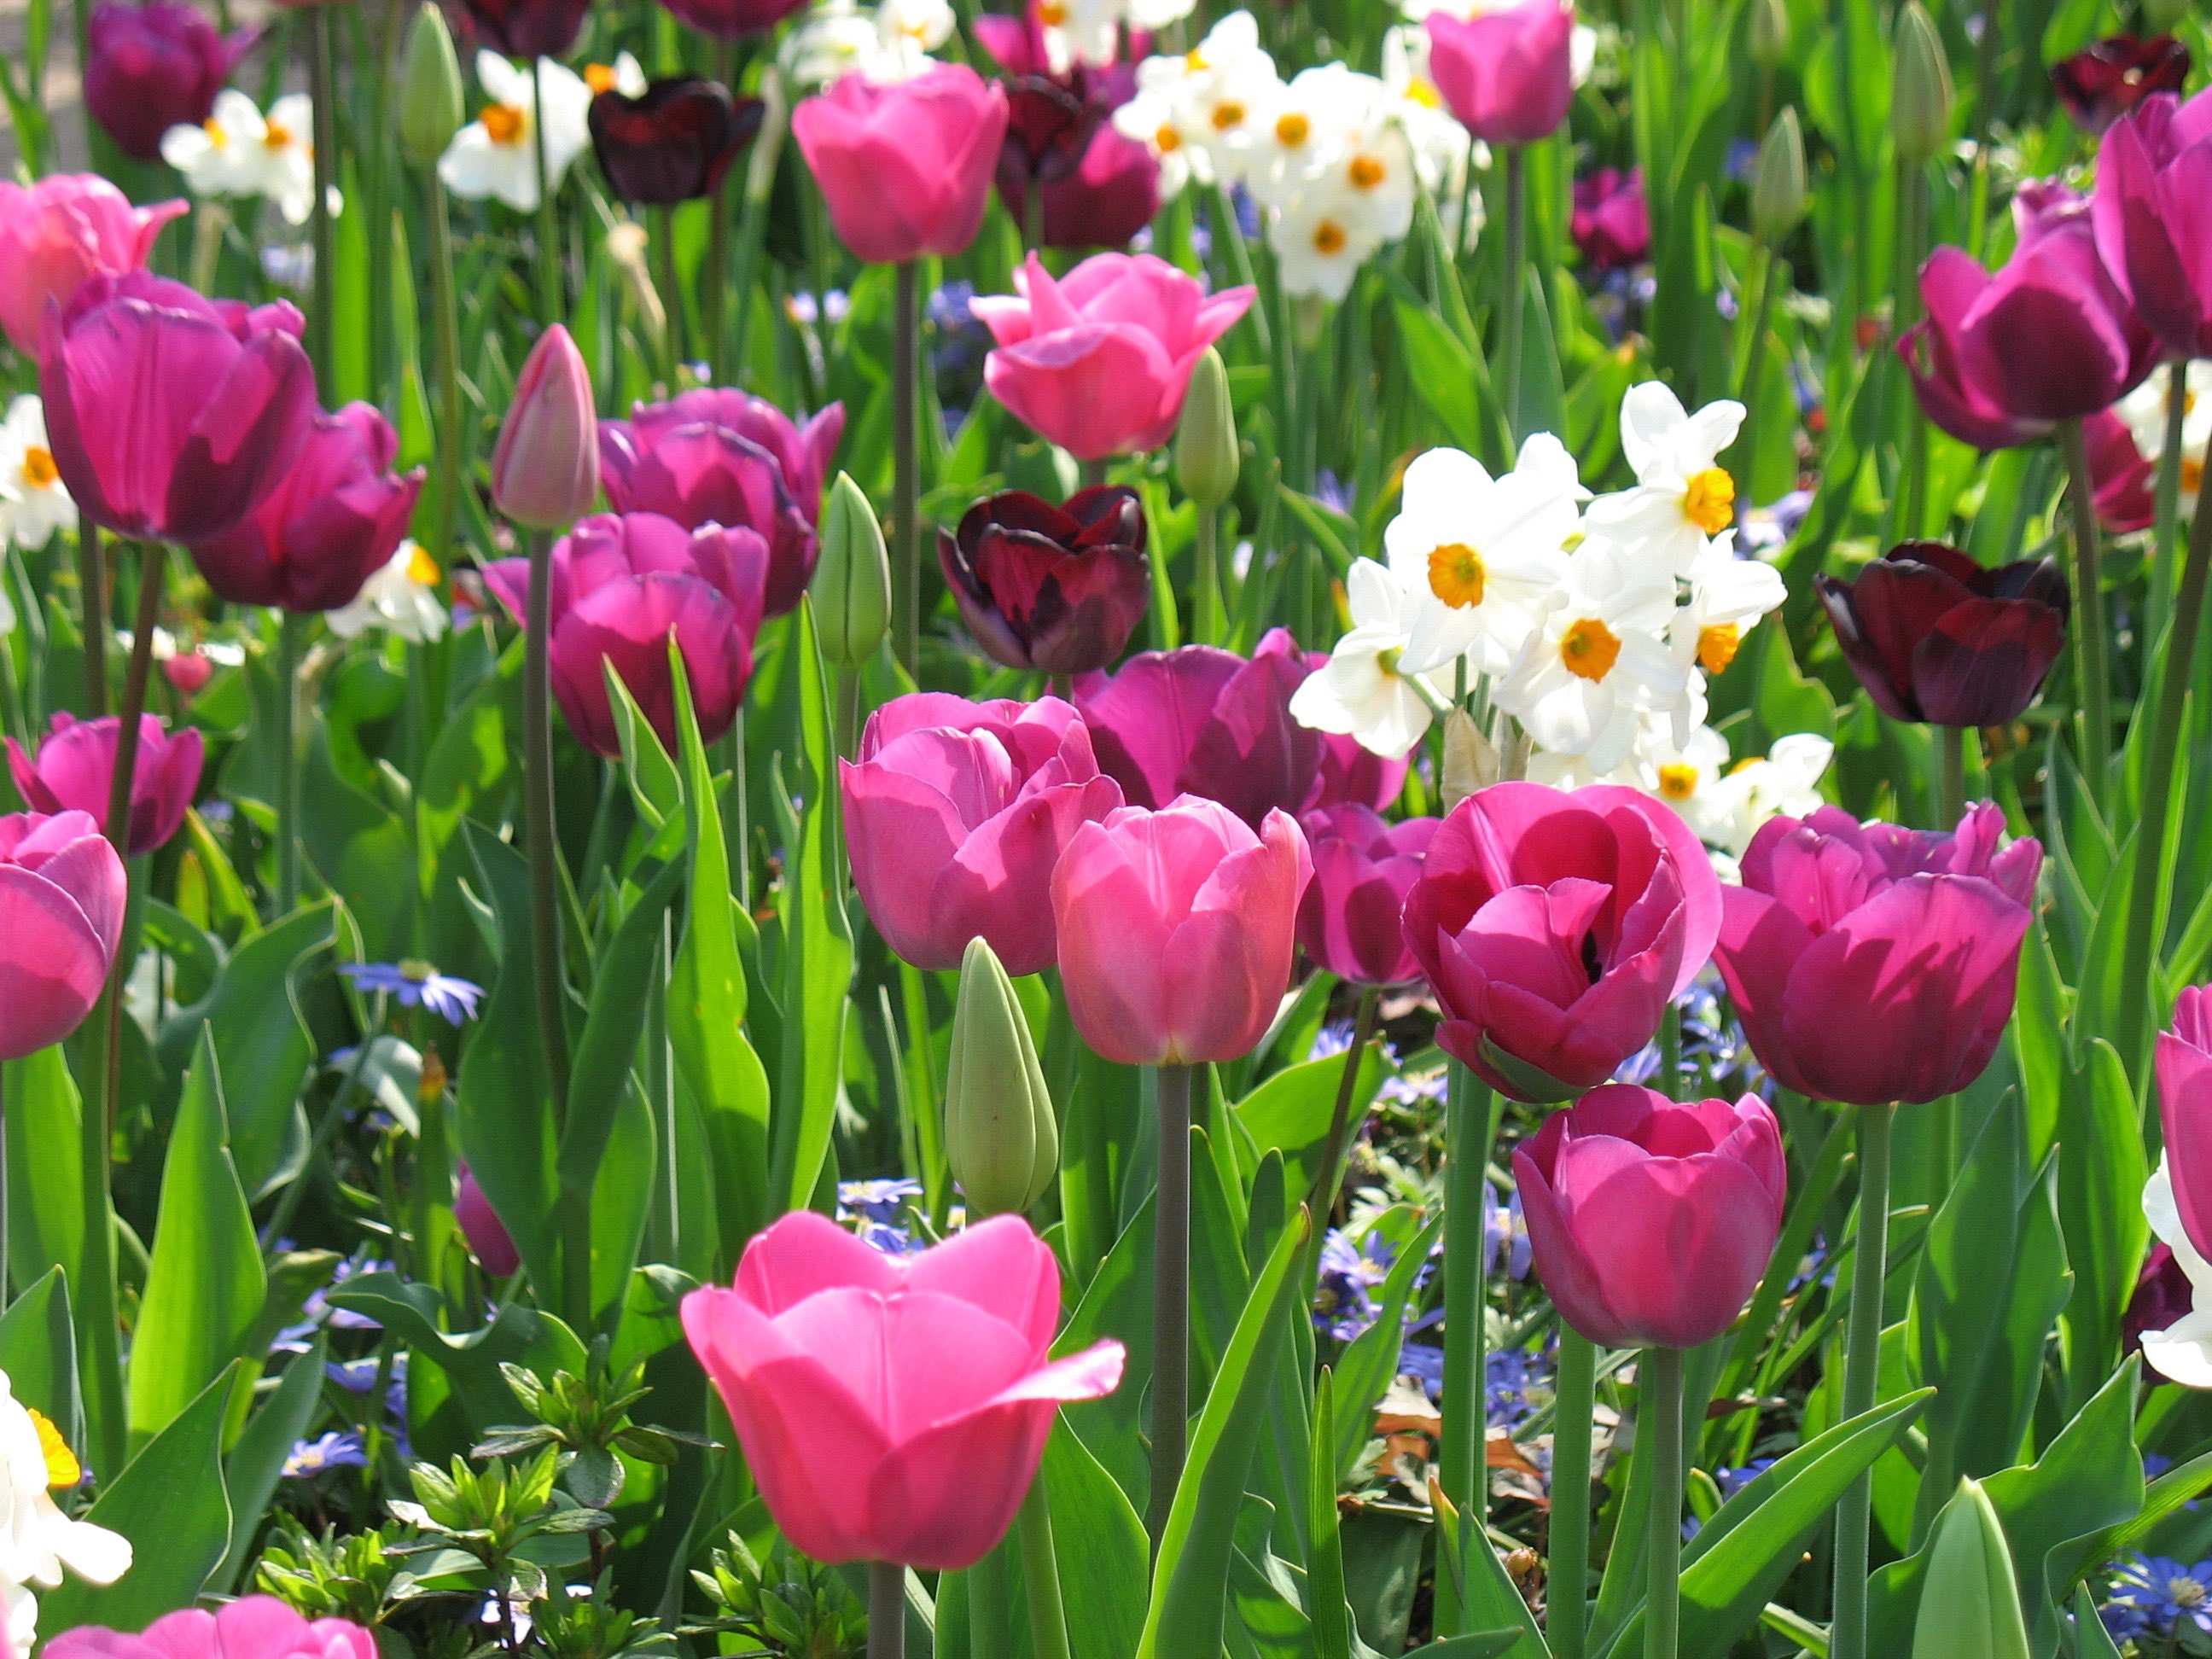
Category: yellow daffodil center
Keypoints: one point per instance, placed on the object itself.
(1717, 644)
(1228, 114)
(1292, 128)
(216, 136)
(1456, 575)
(502, 124)
(1589, 648)
(276, 135)
(1420, 92)
(1167, 140)
(1328, 239)
(599, 77)
(62, 1467)
(39, 469)
(1678, 781)
(1366, 172)
(422, 568)
(1052, 14)
(1194, 62)
(2192, 473)
(1708, 500)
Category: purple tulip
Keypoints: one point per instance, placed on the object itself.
(529, 28)
(489, 1240)
(732, 19)
(332, 523)
(956, 813)
(2183, 1066)
(154, 67)
(62, 894)
(1351, 771)
(1871, 963)
(2153, 171)
(1507, 74)
(1650, 1220)
(2163, 1297)
(1055, 589)
(1205, 721)
(722, 456)
(1363, 868)
(2122, 479)
(2102, 83)
(169, 417)
(1612, 223)
(621, 584)
(1555, 928)
(74, 768)
(2001, 358)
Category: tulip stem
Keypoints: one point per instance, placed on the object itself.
(886, 1610)
(672, 296)
(549, 223)
(1041, 1574)
(2167, 535)
(1862, 1360)
(906, 463)
(537, 811)
(1575, 1396)
(322, 92)
(446, 312)
(714, 285)
(1170, 1295)
(1768, 270)
(1911, 239)
(2093, 692)
(1660, 1410)
(2145, 913)
(92, 578)
(1470, 1126)
(1511, 300)
(288, 629)
(1209, 623)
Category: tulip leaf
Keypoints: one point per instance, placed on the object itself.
(1442, 373)
(2101, 1174)
(256, 1462)
(1100, 1545)
(1118, 1304)
(1970, 1605)
(2089, 1639)
(1325, 1601)
(1289, 1113)
(1371, 1359)
(43, 1127)
(1483, 1645)
(37, 1354)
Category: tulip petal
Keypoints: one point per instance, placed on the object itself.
(1001, 1267)
(804, 1253)
(52, 965)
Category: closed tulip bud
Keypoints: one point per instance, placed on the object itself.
(852, 581)
(1206, 457)
(1000, 1137)
(1778, 193)
(545, 470)
(1969, 1605)
(1920, 89)
(1770, 31)
(430, 108)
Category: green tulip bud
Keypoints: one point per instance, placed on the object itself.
(430, 109)
(1920, 87)
(1969, 1604)
(1001, 1139)
(1206, 457)
(1770, 32)
(852, 588)
(1778, 193)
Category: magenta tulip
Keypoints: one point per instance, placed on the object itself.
(489, 1240)
(332, 523)
(722, 456)
(1650, 1220)
(1204, 721)
(2153, 171)
(1175, 930)
(1555, 928)
(1612, 223)
(732, 20)
(2184, 1065)
(1363, 868)
(1509, 75)
(1871, 963)
(1099, 361)
(74, 768)
(545, 468)
(57, 235)
(171, 418)
(956, 813)
(1351, 771)
(251, 1627)
(2122, 479)
(621, 584)
(893, 1408)
(62, 894)
(905, 166)
(2001, 358)
(154, 67)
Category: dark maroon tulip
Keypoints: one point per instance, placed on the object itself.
(1106, 200)
(675, 142)
(1363, 868)
(2163, 1298)
(1055, 589)
(2103, 83)
(732, 19)
(154, 67)
(1095, 188)
(1936, 637)
(1049, 122)
(529, 28)
(1612, 223)
(328, 526)
(1205, 721)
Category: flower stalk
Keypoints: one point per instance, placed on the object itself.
(1170, 1296)
(1862, 1363)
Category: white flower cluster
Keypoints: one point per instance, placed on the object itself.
(34, 502)
(495, 155)
(239, 152)
(889, 41)
(1593, 623)
(1335, 158)
(2144, 411)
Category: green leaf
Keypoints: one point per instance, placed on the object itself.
(256, 1463)
(1101, 1548)
(45, 1164)
(37, 1354)
(2101, 1174)
(1442, 373)
(1325, 1598)
(1484, 1644)
(1970, 1609)
(1291, 1111)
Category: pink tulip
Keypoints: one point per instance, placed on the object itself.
(621, 585)
(251, 1627)
(1612, 223)
(1871, 963)
(1204, 721)
(488, 1239)
(956, 813)
(2121, 479)
(2184, 1065)
(1508, 75)
(170, 417)
(2153, 173)
(1556, 927)
(722, 456)
(1099, 362)
(74, 768)
(905, 166)
(1175, 930)
(61, 893)
(57, 235)
(893, 1409)
(1363, 868)
(189, 672)
(1351, 771)
(332, 523)
(153, 67)
(1649, 1220)
(545, 469)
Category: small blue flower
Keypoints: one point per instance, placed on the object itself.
(335, 1450)
(417, 985)
(1344, 1301)
(1333, 1038)
(353, 1376)
(2162, 1593)
(882, 1213)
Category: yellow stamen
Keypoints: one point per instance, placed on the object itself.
(1367, 172)
(1292, 128)
(2192, 474)
(216, 136)
(1194, 61)
(1228, 114)
(1420, 92)
(1678, 781)
(1328, 239)
(503, 123)
(1717, 644)
(276, 135)
(62, 1467)
(422, 568)
(1167, 140)
(599, 77)
(39, 469)
(1052, 14)
(1589, 648)
(1708, 500)
(1456, 575)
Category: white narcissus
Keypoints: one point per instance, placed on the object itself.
(1361, 691)
(238, 151)
(1728, 594)
(34, 502)
(402, 597)
(37, 1540)
(2182, 1353)
(1682, 494)
(1598, 660)
(2144, 411)
(496, 154)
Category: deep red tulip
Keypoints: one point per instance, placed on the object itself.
(1048, 127)
(529, 28)
(61, 893)
(1612, 223)
(2102, 83)
(1936, 637)
(1507, 74)
(1870, 963)
(57, 235)
(74, 768)
(154, 67)
(2153, 171)
(1055, 589)
(906, 167)
(1363, 868)
(732, 20)
(674, 142)
(1113, 193)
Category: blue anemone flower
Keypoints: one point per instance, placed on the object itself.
(417, 985)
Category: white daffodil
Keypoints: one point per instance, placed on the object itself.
(33, 501)
(1301, 129)
(1481, 556)
(1441, 150)
(1153, 118)
(496, 154)
(2145, 410)
(1375, 176)
(1683, 495)
(1728, 594)
(1786, 784)
(906, 32)
(239, 151)
(1596, 661)
(1220, 86)
(1689, 777)
(1319, 244)
(37, 1540)
(832, 40)
(2182, 1353)
(1361, 691)
(401, 598)
(625, 76)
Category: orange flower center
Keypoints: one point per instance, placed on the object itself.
(1328, 239)
(1678, 781)
(1367, 172)
(39, 469)
(1708, 500)
(276, 135)
(1052, 14)
(1292, 128)
(2192, 473)
(1167, 140)
(503, 123)
(1717, 644)
(1589, 648)
(599, 77)
(1456, 575)
(216, 136)
(1227, 115)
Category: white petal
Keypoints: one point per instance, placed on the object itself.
(1650, 415)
